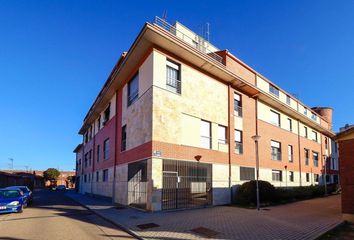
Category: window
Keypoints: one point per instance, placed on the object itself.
(277, 175)
(316, 177)
(290, 153)
(205, 134)
(276, 150)
(238, 142)
(247, 173)
(315, 158)
(106, 149)
(305, 132)
(86, 159)
(133, 89)
(305, 111)
(97, 176)
(89, 177)
(314, 136)
(274, 90)
(314, 117)
(291, 176)
(106, 114)
(275, 118)
(85, 178)
(90, 133)
(98, 153)
(288, 99)
(307, 156)
(290, 124)
(173, 80)
(307, 177)
(222, 134)
(237, 105)
(86, 137)
(90, 157)
(99, 123)
(124, 138)
(105, 175)
(326, 142)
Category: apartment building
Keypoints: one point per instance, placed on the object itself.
(172, 127)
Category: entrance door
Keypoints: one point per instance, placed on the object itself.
(186, 184)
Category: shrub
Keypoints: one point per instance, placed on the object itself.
(246, 193)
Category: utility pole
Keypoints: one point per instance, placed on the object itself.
(12, 163)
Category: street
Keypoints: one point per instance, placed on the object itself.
(54, 216)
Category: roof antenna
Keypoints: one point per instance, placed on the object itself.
(164, 15)
(207, 32)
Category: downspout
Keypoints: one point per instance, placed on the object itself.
(116, 150)
(93, 155)
(229, 137)
(299, 148)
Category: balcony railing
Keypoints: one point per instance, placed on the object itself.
(238, 111)
(276, 156)
(174, 85)
(197, 45)
(238, 148)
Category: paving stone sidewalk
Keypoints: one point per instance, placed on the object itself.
(301, 220)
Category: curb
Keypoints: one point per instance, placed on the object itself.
(121, 227)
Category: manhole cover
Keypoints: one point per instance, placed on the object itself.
(204, 232)
(147, 225)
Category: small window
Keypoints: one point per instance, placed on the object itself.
(85, 178)
(237, 105)
(307, 156)
(277, 175)
(89, 177)
(90, 157)
(315, 158)
(326, 142)
(316, 177)
(288, 99)
(247, 173)
(98, 153)
(275, 118)
(305, 132)
(173, 77)
(238, 142)
(99, 123)
(205, 134)
(314, 136)
(276, 150)
(105, 175)
(290, 125)
(290, 153)
(124, 138)
(305, 111)
(291, 176)
(133, 89)
(97, 176)
(222, 134)
(307, 177)
(314, 117)
(274, 90)
(86, 159)
(106, 149)
(107, 114)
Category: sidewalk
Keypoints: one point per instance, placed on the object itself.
(301, 220)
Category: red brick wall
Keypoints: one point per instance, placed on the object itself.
(346, 164)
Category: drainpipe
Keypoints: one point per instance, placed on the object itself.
(116, 150)
(229, 137)
(299, 148)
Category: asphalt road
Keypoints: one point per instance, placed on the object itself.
(54, 216)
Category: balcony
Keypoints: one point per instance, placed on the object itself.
(238, 148)
(201, 44)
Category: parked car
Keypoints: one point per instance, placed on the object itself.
(60, 187)
(26, 192)
(11, 200)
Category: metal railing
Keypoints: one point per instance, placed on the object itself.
(238, 148)
(238, 111)
(174, 85)
(199, 45)
(276, 156)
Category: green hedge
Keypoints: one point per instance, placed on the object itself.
(246, 193)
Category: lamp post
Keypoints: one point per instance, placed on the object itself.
(256, 139)
(286, 176)
(325, 173)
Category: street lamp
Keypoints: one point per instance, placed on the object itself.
(286, 176)
(325, 173)
(256, 139)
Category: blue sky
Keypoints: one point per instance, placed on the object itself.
(55, 56)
